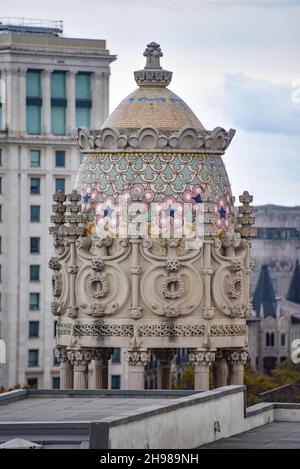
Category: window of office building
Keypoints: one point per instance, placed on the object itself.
(33, 357)
(60, 158)
(55, 382)
(35, 158)
(35, 185)
(33, 102)
(58, 103)
(34, 245)
(282, 340)
(34, 327)
(0, 245)
(59, 184)
(0, 185)
(83, 99)
(34, 273)
(32, 383)
(34, 301)
(116, 355)
(0, 153)
(115, 382)
(35, 213)
(0, 213)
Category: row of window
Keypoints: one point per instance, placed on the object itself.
(34, 329)
(35, 158)
(278, 233)
(33, 358)
(59, 102)
(270, 339)
(35, 185)
(33, 382)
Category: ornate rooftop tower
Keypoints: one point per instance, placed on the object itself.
(126, 272)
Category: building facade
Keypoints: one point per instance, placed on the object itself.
(50, 85)
(275, 285)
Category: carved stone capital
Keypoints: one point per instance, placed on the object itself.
(202, 358)
(237, 357)
(139, 357)
(80, 358)
(61, 354)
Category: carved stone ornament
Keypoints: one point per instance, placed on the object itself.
(138, 357)
(80, 357)
(97, 286)
(238, 357)
(54, 263)
(97, 264)
(234, 285)
(172, 287)
(202, 358)
(186, 139)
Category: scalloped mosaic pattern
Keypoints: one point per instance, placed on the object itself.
(165, 175)
(155, 106)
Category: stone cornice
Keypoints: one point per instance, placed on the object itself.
(214, 141)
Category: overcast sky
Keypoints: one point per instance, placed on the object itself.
(235, 62)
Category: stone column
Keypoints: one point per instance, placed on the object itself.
(220, 371)
(202, 361)
(80, 360)
(71, 99)
(65, 370)
(237, 359)
(101, 357)
(164, 358)
(137, 360)
(46, 102)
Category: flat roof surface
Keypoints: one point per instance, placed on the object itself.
(276, 435)
(77, 407)
(70, 409)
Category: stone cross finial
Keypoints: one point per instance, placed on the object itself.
(153, 53)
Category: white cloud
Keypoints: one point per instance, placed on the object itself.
(256, 105)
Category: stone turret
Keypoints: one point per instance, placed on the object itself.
(155, 261)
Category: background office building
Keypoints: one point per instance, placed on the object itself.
(50, 85)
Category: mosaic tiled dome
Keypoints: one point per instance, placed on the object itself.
(154, 149)
(155, 106)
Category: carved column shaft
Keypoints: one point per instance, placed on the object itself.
(65, 370)
(237, 360)
(207, 273)
(80, 360)
(100, 372)
(220, 373)
(202, 361)
(137, 361)
(164, 358)
(135, 270)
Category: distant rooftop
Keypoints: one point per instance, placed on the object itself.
(31, 25)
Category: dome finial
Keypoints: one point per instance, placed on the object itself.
(153, 53)
(153, 74)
